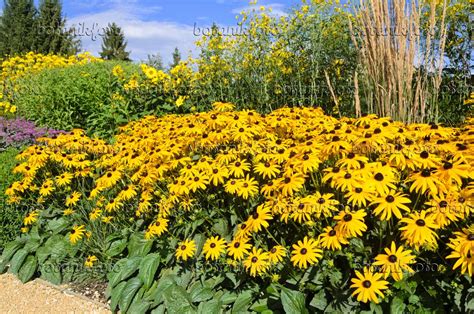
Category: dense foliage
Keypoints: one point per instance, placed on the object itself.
(232, 210)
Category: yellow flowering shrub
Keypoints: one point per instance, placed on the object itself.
(294, 198)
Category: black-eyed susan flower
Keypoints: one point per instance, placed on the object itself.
(368, 286)
(395, 261)
(185, 250)
(351, 223)
(238, 248)
(332, 239)
(77, 233)
(389, 204)
(90, 260)
(276, 254)
(259, 219)
(31, 218)
(257, 262)
(306, 253)
(214, 247)
(419, 229)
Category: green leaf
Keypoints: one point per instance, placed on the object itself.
(210, 307)
(242, 302)
(128, 293)
(28, 269)
(397, 305)
(32, 245)
(116, 294)
(51, 273)
(17, 260)
(57, 225)
(148, 267)
(42, 253)
(200, 293)
(8, 253)
(228, 297)
(115, 273)
(221, 227)
(377, 309)
(164, 283)
(116, 247)
(139, 305)
(319, 300)
(129, 268)
(138, 246)
(177, 300)
(260, 306)
(293, 301)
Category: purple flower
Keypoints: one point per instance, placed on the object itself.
(20, 132)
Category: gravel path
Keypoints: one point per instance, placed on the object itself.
(39, 297)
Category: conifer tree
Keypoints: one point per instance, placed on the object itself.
(52, 35)
(17, 27)
(114, 44)
(176, 58)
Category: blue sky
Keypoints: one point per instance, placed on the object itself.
(157, 26)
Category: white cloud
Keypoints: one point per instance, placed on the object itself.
(144, 37)
(277, 9)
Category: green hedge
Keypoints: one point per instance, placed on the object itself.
(10, 217)
(78, 96)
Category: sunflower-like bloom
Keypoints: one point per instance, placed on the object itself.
(419, 229)
(257, 262)
(185, 249)
(214, 247)
(306, 252)
(368, 285)
(395, 261)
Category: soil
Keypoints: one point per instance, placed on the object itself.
(38, 296)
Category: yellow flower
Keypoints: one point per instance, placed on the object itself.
(90, 260)
(186, 249)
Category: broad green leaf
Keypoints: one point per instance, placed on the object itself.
(147, 269)
(319, 300)
(32, 245)
(116, 294)
(42, 253)
(221, 227)
(210, 307)
(116, 247)
(115, 273)
(397, 305)
(28, 269)
(260, 306)
(8, 253)
(242, 302)
(200, 293)
(17, 260)
(129, 268)
(293, 301)
(57, 225)
(51, 273)
(177, 300)
(139, 306)
(138, 246)
(128, 293)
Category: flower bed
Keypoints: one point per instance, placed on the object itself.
(295, 210)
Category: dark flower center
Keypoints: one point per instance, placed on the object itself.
(303, 251)
(392, 258)
(358, 190)
(424, 154)
(425, 173)
(447, 165)
(350, 155)
(255, 215)
(366, 284)
(183, 247)
(378, 176)
(273, 250)
(332, 233)
(254, 259)
(390, 198)
(267, 164)
(470, 237)
(321, 200)
(443, 204)
(335, 138)
(420, 223)
(347, 176)
(335, 169)
(287, 180)
(215, 171)
(305, 157)
(347, 217)
(213, 245)
(237, 164)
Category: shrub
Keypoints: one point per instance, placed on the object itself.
(11, 218)
(238, 211)
(78, 96)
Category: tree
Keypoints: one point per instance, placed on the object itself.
(52, 35)
(155, 61)
(17, 30)
(114, 44)
(176, 58)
